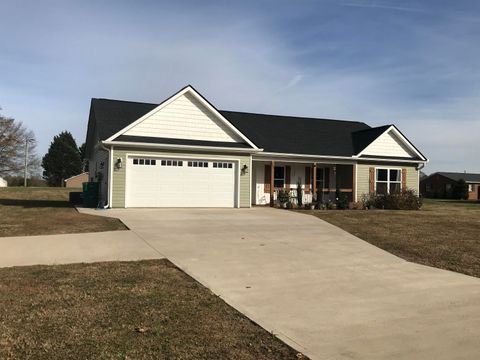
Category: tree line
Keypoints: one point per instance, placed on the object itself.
(63, 159)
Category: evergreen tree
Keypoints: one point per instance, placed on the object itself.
(62, 159)
(82, 150)
(460, 190)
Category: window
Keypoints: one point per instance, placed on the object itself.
(138, 161)
(202, 164)
(322, 178)
(279, 177)
(222, 165)
(388, 181)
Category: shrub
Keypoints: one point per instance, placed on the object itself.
(283, 197)
(299, 194)
(460, 190)
(341, 200)
(405, 200)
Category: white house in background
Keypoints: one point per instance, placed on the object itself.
(184, 152)
(3, 182)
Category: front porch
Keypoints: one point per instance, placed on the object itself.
(324, 180)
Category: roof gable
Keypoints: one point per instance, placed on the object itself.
(389, 142)
(185, 115)
(183, 118)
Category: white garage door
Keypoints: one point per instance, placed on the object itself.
(171, 182)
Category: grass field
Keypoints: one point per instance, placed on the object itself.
(444, 234)
(45, 210)
(123, 310)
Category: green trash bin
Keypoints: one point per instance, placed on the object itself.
(90, 194)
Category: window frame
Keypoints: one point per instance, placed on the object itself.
(283, 179)
(388, 182)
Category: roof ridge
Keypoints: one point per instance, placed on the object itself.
(293, 116)
(374, 128)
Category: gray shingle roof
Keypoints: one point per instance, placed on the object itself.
(273, 133)
(468, 177)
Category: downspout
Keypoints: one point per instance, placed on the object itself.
(110, 165)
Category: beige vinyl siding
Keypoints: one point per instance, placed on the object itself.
(184, 118)
(388, 144)
(119, 175)
(363, 176)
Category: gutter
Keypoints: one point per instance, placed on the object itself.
(345, 158)
(110, 159)
(182, 147)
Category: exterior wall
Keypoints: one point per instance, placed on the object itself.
(3, 183)
(119, 175)
(297, 174)
(184, 118)
(388, 145)
(475, 193)
(363, 177)
(76, 181)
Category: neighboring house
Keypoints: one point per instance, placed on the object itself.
(3, 182)
(184, 152)
(76, 181)
(440, 184)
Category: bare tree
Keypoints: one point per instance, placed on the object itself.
(13, 136)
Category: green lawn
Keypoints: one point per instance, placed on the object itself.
(123, 310)
(443, 234)
(45, 211)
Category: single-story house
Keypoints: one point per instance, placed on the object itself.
(3, 182)
(76, 181)
(440, 184)
(184, 152)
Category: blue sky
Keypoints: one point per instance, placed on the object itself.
(412, 63)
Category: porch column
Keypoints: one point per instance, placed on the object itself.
(272, 190)
(314, 185)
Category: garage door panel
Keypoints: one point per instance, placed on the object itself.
(160, 185)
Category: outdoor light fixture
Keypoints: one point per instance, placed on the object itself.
(118, 164)
(245, 169)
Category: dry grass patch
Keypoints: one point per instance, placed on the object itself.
(444, 234)
(123, 310)
(45, 211)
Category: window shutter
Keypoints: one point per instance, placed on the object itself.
(287, 177)
(372, 180)
(307, 180)
(404, 179)
(266, 187)
(326, 174)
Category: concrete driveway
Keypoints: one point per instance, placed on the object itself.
(320, 289)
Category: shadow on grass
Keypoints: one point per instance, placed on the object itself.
(36, 203)
(463, 202)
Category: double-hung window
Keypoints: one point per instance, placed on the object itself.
(388, 181)
(279, 177)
